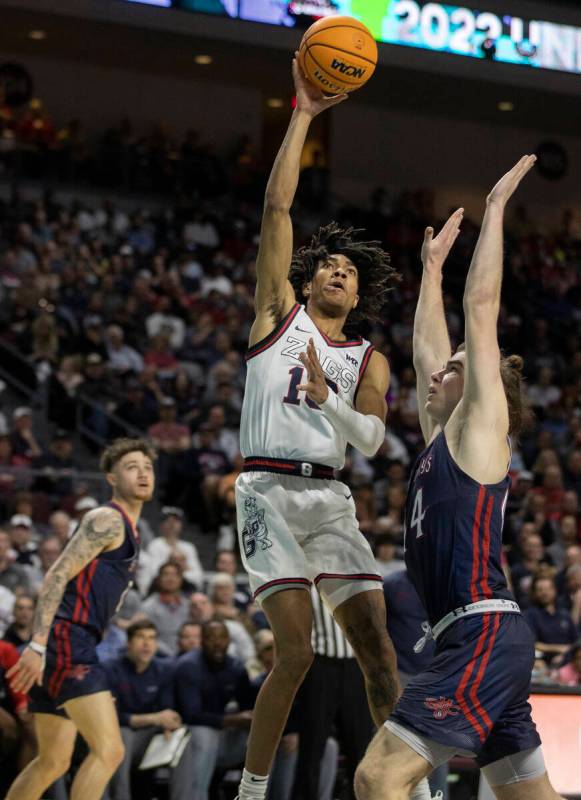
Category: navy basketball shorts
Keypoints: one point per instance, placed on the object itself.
(72, 669)
(474, 696)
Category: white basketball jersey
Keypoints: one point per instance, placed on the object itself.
(278, 421)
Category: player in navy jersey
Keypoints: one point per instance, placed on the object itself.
(473, 699)
(80, 594)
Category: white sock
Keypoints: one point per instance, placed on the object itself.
(422, 791)
(253, 787)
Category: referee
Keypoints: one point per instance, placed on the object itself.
(332, 699)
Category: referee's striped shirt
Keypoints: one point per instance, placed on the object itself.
(328, 638)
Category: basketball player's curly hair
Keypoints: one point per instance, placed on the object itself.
(376, 274)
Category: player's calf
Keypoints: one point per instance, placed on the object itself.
(363, 621)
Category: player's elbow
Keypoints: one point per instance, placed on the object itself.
(481, 300)
(275, 203)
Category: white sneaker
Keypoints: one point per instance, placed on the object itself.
(438, 796)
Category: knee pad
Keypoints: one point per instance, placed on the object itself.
(523, 766)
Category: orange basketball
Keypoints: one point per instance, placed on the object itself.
(338, 54)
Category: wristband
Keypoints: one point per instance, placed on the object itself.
(39, 649)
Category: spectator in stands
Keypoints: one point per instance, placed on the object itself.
(142, 686)
(386, 558)
(49, 549)
(22, 438)
(552, 490)
(222, 592)
(121, 357)
(20, 631)
(164, 546)
(207, 683)
(189, 637)
(570, 673)
(241, 645)
(552, 626)
(544, 393)
(61, 526)
(167, 607)
(82, 507)
(63, 387)
(17, 740)
(22, 539)
(565, 537)
(572, 594)
(12, 576)
(533, 555)
(168, 435)
(226, 562)
(137, 409)
(573, 472)
(58, 464)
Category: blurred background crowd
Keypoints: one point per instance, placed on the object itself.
(129, 320)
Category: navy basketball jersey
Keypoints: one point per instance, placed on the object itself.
(95, 594)
(453, 534)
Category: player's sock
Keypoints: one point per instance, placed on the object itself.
(422, 791)
(253, 787)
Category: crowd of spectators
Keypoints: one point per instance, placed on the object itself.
(34, 147)
(138, 322)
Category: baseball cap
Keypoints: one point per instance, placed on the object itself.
(94, 358)
(22, 411)
(525, 475)
(86, 504)
(172, 511)
(20, 521)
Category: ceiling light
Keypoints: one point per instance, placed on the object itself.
(203, 59)
(275, 102)
(37, 35)
(506, 105)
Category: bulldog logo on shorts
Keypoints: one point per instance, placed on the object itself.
(254, 532)
(442, 707)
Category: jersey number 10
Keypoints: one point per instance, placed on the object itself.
(292, 395)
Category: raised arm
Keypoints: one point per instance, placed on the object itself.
(274, 295)
(101, 529)
(482, 449)
(431, 341)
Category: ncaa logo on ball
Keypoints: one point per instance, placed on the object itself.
(347, 69)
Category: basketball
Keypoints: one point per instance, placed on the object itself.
(338, 54)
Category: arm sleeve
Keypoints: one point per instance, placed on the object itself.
(189, 701)
(366, 432)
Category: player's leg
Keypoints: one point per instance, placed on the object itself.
(363, 620)
(390, 769)
(290, 616)
(56, 740)
(521, 776)
(97, 722)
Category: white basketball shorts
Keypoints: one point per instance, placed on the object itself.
(294, 531)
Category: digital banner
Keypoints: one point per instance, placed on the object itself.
(441, 27)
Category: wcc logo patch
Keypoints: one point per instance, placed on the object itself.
(441, 707)
(254, 532)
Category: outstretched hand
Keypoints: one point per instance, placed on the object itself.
(508, 184)
(310, 99)
(435, 251)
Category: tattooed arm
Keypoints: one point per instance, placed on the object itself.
(101, 529)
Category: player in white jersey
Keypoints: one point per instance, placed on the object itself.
(310, 390)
